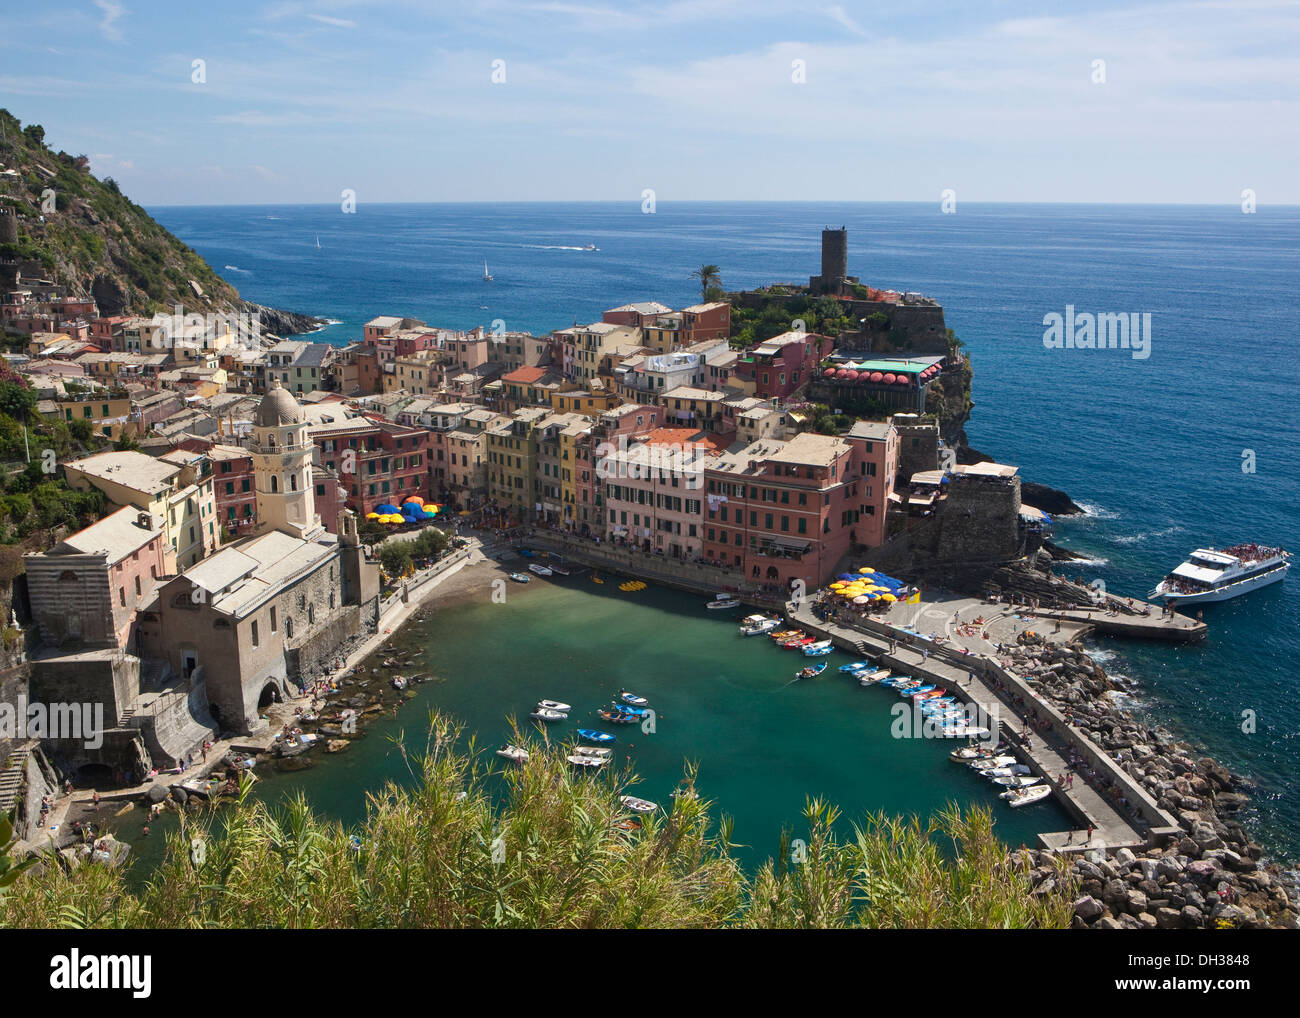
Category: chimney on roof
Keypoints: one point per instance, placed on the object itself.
(145, 520)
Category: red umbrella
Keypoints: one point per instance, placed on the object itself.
(842, 373)
(876, 376)
(851, 375)
(828, 373)
(889, 378)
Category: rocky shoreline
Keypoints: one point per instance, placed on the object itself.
(1214, 875)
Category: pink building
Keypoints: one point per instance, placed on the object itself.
(653, 491)
(783, 511)
(875, 445)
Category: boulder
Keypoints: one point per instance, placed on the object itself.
(1088, 908)
(1191, 917)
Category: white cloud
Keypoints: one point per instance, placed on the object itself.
(108, 24)
(336, 22)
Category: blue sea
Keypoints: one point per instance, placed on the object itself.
(1155, 447)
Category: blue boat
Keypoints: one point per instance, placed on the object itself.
(855, 666)
(623, 708)
(632, 698)
(812, 671)
(817, 651)
(592, 735)
(526, 552)
(913, 690)
(895, 680)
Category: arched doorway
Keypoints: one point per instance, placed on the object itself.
(270, 695)
(96, 775)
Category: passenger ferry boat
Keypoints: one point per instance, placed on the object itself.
(1212, 574)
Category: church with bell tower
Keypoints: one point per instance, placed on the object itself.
(257, 620)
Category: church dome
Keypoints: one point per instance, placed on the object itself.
(278, 407)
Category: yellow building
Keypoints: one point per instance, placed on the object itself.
(180, 495)
(107, 414)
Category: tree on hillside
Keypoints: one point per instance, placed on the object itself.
(710, 277)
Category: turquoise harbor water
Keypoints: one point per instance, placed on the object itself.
(1153, 446)
(763, 742)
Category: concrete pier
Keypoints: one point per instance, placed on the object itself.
(982, 681)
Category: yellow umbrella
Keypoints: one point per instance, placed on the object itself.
(372, 516)
(866, 569)
(888, 597)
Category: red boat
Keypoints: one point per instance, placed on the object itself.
(802, 642)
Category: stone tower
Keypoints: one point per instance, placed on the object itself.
(835, 263)
(282, 454)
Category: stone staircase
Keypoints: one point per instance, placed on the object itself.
(11, 779)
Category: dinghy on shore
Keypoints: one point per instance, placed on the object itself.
(515, 754)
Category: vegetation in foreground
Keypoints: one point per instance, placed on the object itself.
(553, 851)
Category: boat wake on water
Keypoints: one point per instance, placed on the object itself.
(236, 268)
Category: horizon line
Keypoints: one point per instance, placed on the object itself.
(722, 201)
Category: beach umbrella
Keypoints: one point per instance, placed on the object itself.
(847, 576)
(860, 600)
(876, 376)
(866, 569)
(372, 516)
(888, 597)
(429, 516)
(413, 498)
(386, 508)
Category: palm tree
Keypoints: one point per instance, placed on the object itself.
(709, 276)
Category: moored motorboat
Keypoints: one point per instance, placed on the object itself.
(1001, 760)
(872, 677)
(539, 569)
(618, 717)
(579, 760)
(755, 625)
(721, 601)
(516, 754)
(1016, 780)
(521, 577)
(638, 805)
(623, 708)
(811, 672)
(595, 735)
(786, 634)
(628, 697)
(817, 650)
(798, 643)
(546, 714)
(960, 731)
(855, 666)
(599, 752)
(553, 705)
(1026, 796)
(399, 683)
(910, 691)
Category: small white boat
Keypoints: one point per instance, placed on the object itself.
(638, 805)
(1213, 574)
(590, 247)
(521, 577)
(546, 714)
(399, 683)
(963, 731)
(755, 625)
(517, 754)
(630, 698)
(487, 276)
(597, 752)
(553, 705)
(979, 764)
(1016, 780)
(582, 760)
(872, 677)
(723, 601)
(1017, 797)
(540, 569)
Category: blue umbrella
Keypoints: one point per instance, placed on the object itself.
(387, 508)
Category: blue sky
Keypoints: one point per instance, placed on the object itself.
(694, 99)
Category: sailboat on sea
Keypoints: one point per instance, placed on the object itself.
(318, 242)
(487, 276)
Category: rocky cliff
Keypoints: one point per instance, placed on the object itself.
(82, 233)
